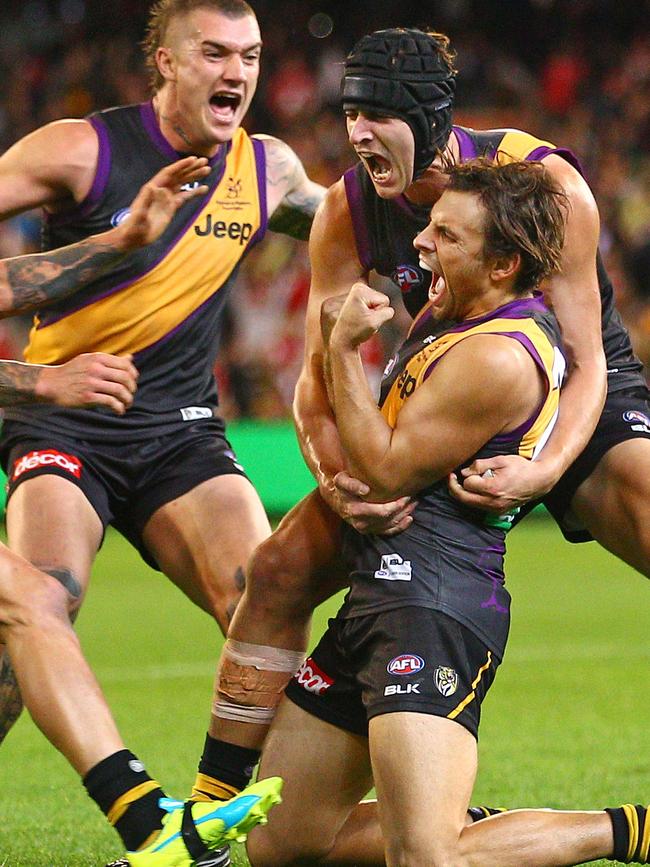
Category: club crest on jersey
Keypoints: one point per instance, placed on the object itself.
(405, 663)
(233, 188)
(638, 420)
(406, 277)
(120, 216)
(446, 680)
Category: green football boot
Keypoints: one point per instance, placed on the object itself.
(191, 829)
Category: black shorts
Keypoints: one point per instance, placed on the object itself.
(405, 659)
(626, 416)
(127, 482)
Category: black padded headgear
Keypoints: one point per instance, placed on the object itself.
(402, 73)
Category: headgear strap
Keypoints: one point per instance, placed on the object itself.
(403, 73)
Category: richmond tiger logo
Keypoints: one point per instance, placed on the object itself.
(446, 680)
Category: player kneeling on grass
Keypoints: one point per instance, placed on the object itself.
(391, 696)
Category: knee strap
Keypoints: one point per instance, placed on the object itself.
(251, 679)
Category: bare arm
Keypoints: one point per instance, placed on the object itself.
(575, 298)
(91, 379)
(449, 417)
(29, 282)
(52, 167)
(335, 267)
(292, 197)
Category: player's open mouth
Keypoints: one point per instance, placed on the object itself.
(224, 105)
(379, 168)
(437, 291)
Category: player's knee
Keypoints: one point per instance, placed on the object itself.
(30, 598)
(282, 847)
(272, 581)
(407, 850)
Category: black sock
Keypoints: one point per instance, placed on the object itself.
(127, 796)
(224, 770)
(631, 826)
(478, 813)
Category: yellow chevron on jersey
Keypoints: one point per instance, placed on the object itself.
(517, 145)
(415, 373)
(197, 264)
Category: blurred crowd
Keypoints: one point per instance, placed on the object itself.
(575, 72)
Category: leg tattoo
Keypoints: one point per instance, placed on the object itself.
(66, 578)
(11, 702)
(239, 580)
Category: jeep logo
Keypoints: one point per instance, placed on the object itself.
(235, 231)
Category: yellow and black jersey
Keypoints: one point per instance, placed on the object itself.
(526, 320)
(164, 303)
(385, 228)
(451, 557)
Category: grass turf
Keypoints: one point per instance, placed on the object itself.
(565, 724)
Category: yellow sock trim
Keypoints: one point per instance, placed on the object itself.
(149, 840)
(206, 788)
(645, 843)
(119, 807)
(633, 822)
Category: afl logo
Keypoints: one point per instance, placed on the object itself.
(405, 663)
(634, 416)
(120, 216)
(406, 277)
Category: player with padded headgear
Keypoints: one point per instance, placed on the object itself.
(408, 74)
(367, 223)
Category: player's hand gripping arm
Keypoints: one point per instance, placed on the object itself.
(335, 266)
(91, 379)
(574, 296)
(447, 419)
(32, 281)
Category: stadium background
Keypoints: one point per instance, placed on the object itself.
(566, 722)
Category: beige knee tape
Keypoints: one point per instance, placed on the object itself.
(251, 679)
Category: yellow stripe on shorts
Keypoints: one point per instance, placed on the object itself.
(472, 695)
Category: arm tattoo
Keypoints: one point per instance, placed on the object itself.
(18, 382)
(295, 213)
(28, 282)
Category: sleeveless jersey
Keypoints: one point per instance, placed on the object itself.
(163, 303)
(385, 228)
(451, 557)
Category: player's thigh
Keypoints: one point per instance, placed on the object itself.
(51, 523)
(614, 502)
(326, 771)
(203, 539)
(424, 768)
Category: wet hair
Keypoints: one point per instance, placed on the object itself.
(164, 11)
(525, 212)
(409, 74)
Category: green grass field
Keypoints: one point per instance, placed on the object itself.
(565, 725)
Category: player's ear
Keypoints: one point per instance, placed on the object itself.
(505, 268)
(166, 62)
